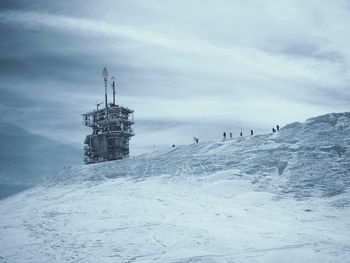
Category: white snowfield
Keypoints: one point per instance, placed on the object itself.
(281, 197)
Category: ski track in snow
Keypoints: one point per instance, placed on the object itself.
(269, 198)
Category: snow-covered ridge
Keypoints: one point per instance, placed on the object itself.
(304, 159)
(269, 198)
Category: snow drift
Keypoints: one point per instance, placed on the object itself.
(280, 197)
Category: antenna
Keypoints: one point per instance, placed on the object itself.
(98, 104)
(105, 78)
(113, 86)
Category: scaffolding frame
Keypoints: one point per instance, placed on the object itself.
(111, 133)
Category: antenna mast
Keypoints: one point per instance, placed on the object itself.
(105, 78)
(111, 128)
(113, 86)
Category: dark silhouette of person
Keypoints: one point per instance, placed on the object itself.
(273, 130)
(224, 135)
(197, 140)
(278, 127)
(230, 135)
(241, 133)
(251, 132)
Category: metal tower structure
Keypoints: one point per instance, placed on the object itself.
(111, 129)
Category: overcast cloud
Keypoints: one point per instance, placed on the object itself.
(187, 68)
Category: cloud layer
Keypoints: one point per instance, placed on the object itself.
(188, 69)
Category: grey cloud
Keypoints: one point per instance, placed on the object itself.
(186, 68)
(14, 99)
(332, 97)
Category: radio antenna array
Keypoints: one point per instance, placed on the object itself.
(111, 129)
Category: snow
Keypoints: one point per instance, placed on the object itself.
(269, 198)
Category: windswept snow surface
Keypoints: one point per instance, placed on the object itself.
(269, 198)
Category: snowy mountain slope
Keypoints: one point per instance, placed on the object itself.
(270, 198)
(27, 158)
(313, 158)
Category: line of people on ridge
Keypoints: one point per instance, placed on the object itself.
(196, 140)
(251, 132)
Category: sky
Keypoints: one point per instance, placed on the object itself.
(187, 68)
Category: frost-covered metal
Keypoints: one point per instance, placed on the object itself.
(111, 130)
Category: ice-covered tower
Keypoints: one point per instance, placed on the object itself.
(111, 130)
